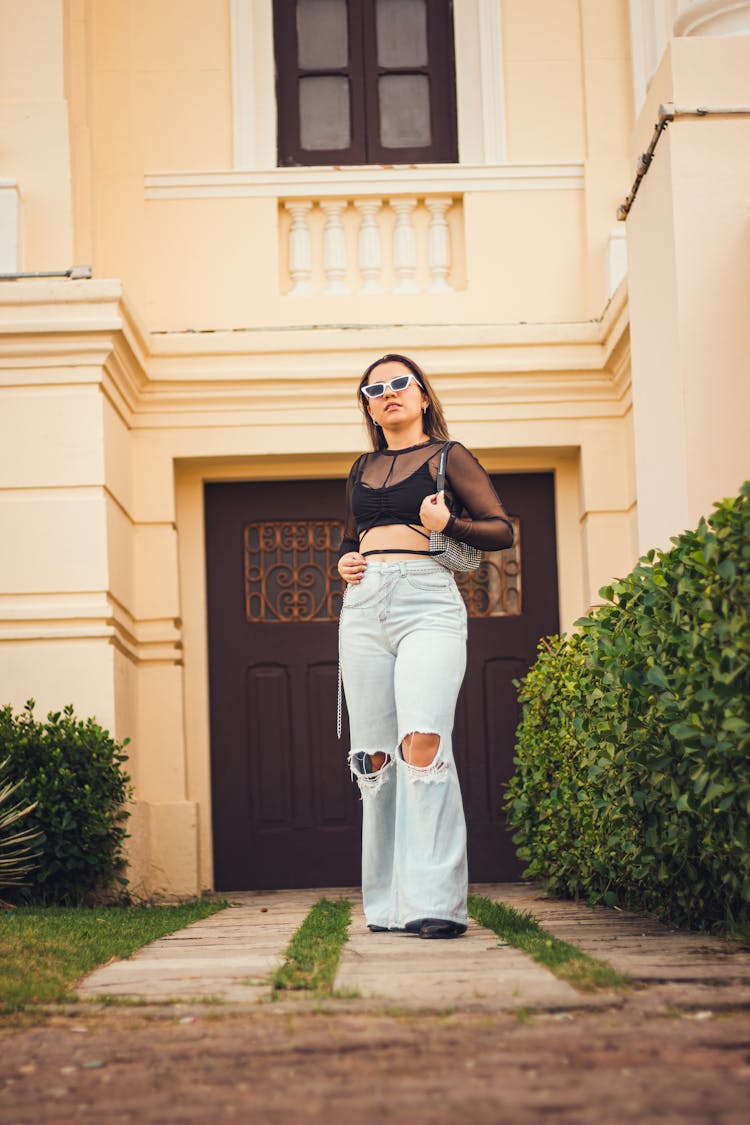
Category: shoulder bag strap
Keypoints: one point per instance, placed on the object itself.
(440, 480)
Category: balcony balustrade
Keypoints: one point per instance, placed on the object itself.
(369, 245)
(373, 244)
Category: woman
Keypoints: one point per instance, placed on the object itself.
(403, 649)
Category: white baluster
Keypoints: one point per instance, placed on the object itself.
(300, 249)
(370, 264)
(334, 247)
(439, 251)
(404, 246)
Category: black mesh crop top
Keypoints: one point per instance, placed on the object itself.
(388, 486)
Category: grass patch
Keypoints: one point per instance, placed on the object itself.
(112, 1000)
(563, 959)
(738, 933)
(312, 956)
(45, 949)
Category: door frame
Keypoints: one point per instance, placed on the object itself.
(189, 479)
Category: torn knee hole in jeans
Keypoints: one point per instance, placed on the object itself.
(434, 770)
(370, 776)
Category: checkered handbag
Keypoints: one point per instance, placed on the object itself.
(451, 553)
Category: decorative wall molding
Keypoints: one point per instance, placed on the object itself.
(89, 616)
(651, 24)
(209, 381)
(713, 17)
(253, 86)
(155, 641)
(654, 22)
(492, 71)
(365, 180)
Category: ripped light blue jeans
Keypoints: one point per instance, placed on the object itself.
(402, 645)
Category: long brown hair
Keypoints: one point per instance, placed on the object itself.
(434, 420)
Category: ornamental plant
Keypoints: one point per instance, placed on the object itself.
(73, 773)
(632, 782)
(18, 842)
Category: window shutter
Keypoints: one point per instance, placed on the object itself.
(365, 81)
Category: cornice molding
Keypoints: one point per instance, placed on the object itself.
(56, 334)
(714, 17)
(365, 181)
(89, 616)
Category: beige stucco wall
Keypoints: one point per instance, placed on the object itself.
(151, 91)
(35, 148)
(185, 360)
(690, 291)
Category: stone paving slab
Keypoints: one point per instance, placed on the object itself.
(681, 967)
(229, 956)
(474, 972)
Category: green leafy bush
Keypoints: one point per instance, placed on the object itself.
(632, 784)
(73, 772)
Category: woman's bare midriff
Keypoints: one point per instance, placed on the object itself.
(392, 538)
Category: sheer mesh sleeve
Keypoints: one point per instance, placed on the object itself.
(487, 525)
(350, 540)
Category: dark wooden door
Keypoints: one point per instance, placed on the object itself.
(285, 812)
(512, 603)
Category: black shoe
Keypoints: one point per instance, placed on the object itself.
(377, 929)
(440, 928)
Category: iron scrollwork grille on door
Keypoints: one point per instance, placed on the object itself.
(494, 588)
(290, 570)
(291, 574)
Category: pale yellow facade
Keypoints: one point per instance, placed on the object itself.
(234, 303)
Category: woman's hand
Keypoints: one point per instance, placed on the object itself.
(434, 512)
(352, 567)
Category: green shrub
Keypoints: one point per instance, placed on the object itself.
(73, 771)
(633, 771)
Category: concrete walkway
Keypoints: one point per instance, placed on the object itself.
(477, 971)
(681, 968)
(229, 956)
(232, 955)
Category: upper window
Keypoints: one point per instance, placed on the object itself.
(365, 82)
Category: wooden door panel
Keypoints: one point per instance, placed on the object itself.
(492, 737)
(268, 725)
(501, 713)
(332, 790)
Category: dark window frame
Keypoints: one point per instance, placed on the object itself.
(365, 147)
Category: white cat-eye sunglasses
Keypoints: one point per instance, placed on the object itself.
(400, 383)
